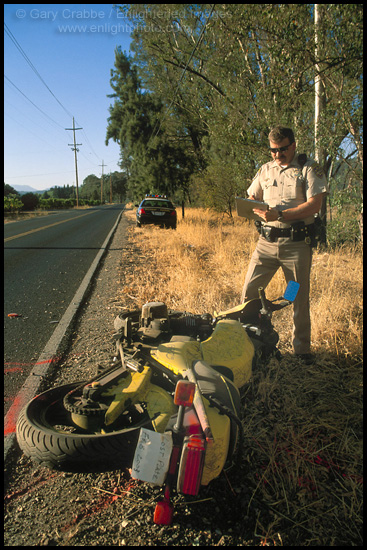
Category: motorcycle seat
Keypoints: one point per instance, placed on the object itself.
(225, 371)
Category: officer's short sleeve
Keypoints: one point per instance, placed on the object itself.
(255, 187)
(316, 181)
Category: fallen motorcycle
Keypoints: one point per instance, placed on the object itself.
(169, 407)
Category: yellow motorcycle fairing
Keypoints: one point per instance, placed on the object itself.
(217, 449)
(128, 390)
(178, 356)
(160, 403)
(137, 387)
(230, 346)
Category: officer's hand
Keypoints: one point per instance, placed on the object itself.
(270, 215)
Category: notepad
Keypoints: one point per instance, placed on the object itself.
(244, 208)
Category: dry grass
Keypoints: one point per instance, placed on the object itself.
(303, 425)
(202, 265)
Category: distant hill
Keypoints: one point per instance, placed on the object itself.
(23, 189)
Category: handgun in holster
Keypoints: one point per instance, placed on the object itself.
(258, 226)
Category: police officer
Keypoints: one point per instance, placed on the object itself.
(293, 187)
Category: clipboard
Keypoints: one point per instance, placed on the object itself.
(244, 208)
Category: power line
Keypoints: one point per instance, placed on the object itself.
(30, 101)
(34, 69)
(46, 115)
(18, 46)
(25, 56)
(90, 145)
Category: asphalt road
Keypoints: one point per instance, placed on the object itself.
(45, 260)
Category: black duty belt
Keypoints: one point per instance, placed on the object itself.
(297, 232)
(276, 232)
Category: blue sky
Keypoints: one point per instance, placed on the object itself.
(71, 46)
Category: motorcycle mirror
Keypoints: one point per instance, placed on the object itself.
(184, 393)
(291, 291)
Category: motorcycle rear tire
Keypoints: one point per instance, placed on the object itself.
(70, 451)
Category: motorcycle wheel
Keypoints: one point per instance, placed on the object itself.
(46, 434)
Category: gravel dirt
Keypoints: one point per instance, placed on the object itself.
(52, 508)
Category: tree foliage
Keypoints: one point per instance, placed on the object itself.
(113, 189)
(151, 163)
(12, 203)
(9, 190)
(215, 78)
(30, 201)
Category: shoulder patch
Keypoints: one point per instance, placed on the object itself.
(317, 169)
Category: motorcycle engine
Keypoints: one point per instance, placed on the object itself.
(154, 319)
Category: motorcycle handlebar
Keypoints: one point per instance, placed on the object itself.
(276, 307)
(267, 306)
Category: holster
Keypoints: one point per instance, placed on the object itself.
(302, 232)
(298, 231)
(268, 233)
(312, 237)
(258, 226)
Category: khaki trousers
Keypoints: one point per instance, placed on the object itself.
(295, 259)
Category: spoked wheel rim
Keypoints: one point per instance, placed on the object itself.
(46, 433)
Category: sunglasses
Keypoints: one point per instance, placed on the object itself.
(280, 149)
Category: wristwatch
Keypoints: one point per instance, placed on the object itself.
(280, 216)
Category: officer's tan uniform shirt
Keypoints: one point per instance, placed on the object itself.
(288, 187)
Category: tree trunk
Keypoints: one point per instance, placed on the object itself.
(320, 103)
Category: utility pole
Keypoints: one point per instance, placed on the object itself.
(110, 189)
(76, 162)
(102, 180)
